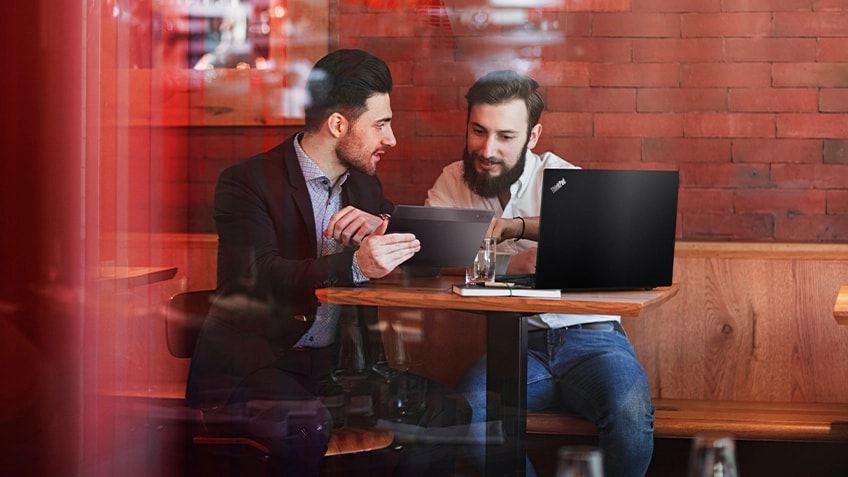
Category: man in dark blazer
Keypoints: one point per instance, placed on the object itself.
(306, 214)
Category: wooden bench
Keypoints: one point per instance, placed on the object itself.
(748, 346)
(684, 418)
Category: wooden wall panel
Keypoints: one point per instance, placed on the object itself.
(748, 329)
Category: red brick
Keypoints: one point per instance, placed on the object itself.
(726, 24)
(811, 228)
(713, 226)
(561, 73)
(728, 75)
(798, 24)
(670, 50)
(398, 24)
(488, 52)
(805, 151)
(567, 124)
(649, 25)
(575, 24)
(392, 172)
(770, 49)
(676, 100)
(603, 163)
(833, 100)
(396, 50)
(770, 100)
(638, 125)
(733, 176)
(433, 98)
(443, 74)
(584, 150)
(644, 74)
(611, 50)
(837, 202)
(829, 5)
(729, 125)
(835, 151)
(765, 5)
(795, 201)
(812, 125)
(440, 123)
(682, 6)
(428, 148)
(705, 200)
(810, 176)
(426, 172)
(680, 150)
(592, 99)
(598, 6)
(815, 75)
(832, 50)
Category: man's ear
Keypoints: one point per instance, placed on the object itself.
(337, 124)
(535, 133)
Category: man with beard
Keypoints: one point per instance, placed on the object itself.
(583, 364)
(306, 214)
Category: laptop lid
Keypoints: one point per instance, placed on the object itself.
(450, 237)
(607, 229)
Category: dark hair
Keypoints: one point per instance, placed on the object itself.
(498, 87)
(342, 81)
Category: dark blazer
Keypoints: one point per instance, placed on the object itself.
(267, 267)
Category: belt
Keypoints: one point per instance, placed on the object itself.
(611, 325)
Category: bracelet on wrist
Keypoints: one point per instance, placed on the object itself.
(523, 226)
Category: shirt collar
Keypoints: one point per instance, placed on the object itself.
(519, 187)
(311, 171)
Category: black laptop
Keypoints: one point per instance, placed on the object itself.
(450, 237)
(606, 230)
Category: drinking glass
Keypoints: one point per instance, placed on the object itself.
(579, 461)
(483, 268)
(393, 357)
(405, 395)
(712, 456)
(352, 369)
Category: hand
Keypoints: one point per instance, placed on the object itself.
(522, 262)
(503, 229)
(379, 254)
(350, 226)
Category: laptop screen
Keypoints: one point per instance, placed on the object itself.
(607, 229)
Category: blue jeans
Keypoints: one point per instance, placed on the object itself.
(593, 373)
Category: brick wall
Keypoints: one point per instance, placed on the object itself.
(746, 98)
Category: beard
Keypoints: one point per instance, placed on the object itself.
(351, 153)
(486, 185)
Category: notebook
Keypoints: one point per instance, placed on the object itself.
(605, 230)
(450, 237)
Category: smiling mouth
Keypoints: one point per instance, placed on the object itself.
(487, 165)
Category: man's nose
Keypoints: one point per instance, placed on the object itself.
(489, 147)
(389, 138)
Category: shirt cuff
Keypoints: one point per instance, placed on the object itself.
(358, 277)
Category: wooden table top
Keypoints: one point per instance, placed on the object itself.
(134, 276)
(840, 309)
(396, 290)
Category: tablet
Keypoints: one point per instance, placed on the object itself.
(450, 237)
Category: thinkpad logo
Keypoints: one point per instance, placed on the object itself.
(556, 187)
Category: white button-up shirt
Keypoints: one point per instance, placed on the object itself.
(450, 190)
